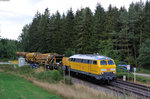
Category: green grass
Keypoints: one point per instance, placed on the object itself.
(142, 70)
(14, 87)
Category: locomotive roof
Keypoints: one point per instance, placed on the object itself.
(90, 57)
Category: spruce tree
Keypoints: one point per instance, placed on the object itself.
(98, 27)
(58, 39)
(43, 29)
(34, 35)
(87, 31)
(69, 30)
(133, 20)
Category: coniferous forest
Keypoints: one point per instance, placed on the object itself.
(120, 33)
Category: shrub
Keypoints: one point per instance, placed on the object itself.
(45, 76)
(49, 76)
(121, 69)
(24, 70)
(56, 75)
(68, 81)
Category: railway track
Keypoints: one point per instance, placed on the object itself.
(109, 89)
(119, 88)
(138, 90)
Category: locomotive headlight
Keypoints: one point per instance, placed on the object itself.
(113, 69)
(103, 69)
(102, 72)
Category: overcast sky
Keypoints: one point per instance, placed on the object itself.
(14, 14)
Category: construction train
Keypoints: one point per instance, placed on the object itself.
(97, 67)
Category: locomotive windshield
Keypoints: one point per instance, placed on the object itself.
(103, 62)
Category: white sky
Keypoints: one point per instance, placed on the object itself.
(14, 14)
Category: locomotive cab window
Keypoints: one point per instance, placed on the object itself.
(103, 62)
(73, 60)
(95, 62)
(70, 59)
(110, 62)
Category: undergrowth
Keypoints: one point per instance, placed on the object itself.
(49, 75)
(131, 77)
(142, 70)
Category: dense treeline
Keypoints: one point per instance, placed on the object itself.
(8, 49)
(117, 33)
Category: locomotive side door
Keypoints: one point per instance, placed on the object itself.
(94, 67)
(89, 65)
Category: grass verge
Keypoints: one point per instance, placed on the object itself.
(14, 87)
(52, 82)
(75, 91)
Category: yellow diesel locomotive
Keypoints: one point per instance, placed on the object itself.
(95, 66)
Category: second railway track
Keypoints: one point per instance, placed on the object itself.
(119, 87)
(139, 90)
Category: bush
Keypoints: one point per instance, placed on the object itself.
(50, 76)
(120, 75)
(25, 70)
(68, 81)
(56, 76)
(121, 69)
(45, 76)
